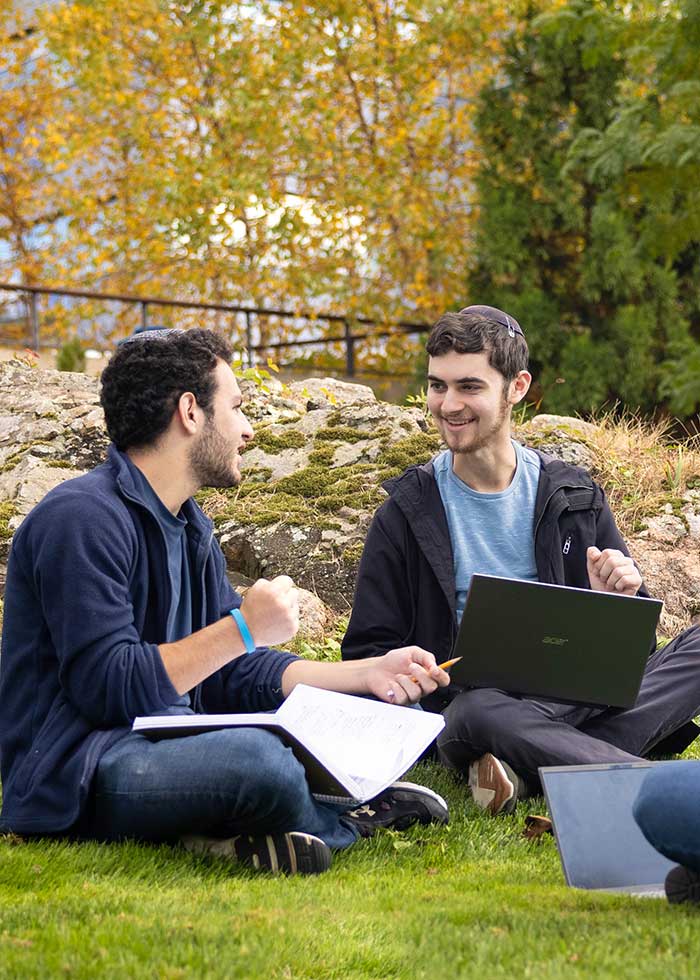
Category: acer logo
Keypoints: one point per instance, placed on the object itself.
(555, 641)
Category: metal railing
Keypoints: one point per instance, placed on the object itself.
(349, 336)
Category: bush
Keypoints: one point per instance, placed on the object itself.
(71, 357)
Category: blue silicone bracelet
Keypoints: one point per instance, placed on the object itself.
(246, 635)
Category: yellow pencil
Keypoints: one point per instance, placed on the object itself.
(446, 666)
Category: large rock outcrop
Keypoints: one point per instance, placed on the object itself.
(313, 480)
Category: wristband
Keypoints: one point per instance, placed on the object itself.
(246, 635)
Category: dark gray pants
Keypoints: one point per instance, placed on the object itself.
(528, 733)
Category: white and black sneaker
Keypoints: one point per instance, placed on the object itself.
(291, 854)
(494, 785)
(400, 806)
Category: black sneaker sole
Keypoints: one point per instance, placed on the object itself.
(290, 854)
(682, 885)
(399, 807)
(435, 807)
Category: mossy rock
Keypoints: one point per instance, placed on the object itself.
(7, 512)
(309, 482)
(322, 455)
(273, 443)
(418, 448)
(343, 433)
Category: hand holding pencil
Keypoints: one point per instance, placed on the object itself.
(405, 675)
(445, 666)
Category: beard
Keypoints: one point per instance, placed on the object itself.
(211, 460)
(486, 437)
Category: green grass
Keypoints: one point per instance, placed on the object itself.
(473, 899)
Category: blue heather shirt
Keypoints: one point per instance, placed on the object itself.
(491, 533)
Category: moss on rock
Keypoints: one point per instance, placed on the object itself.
(343, 433)
(7, 512)
(322, 455)
(273, 444)
(418, 448)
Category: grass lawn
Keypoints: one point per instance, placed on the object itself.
(470, 900)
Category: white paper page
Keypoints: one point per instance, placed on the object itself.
(372, 742)
(202, 721)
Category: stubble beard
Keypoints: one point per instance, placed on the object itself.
(210, 460)
(486, 437)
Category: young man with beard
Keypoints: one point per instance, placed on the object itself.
(117, 605)
(487, 504)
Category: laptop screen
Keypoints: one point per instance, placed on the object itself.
(599, 842)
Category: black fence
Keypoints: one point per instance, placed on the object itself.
(245, 325)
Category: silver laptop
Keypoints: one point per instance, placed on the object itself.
(556, 642)
(600, 845)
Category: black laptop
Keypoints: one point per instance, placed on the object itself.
(551, 641)
(600, 845)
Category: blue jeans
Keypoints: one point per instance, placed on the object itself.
(667, 810)
(222, 783)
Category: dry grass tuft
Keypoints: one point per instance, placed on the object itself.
(641, 466)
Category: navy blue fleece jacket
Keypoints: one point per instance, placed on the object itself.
(86, 603)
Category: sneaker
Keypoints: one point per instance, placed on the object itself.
(682, 885)
(291, 854)
(399, 807)
(493, 784)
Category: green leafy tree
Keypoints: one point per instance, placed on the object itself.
(649, 156)
(569, 236)
(71, 356)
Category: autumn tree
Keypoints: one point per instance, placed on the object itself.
(281, 154)
(29, 183)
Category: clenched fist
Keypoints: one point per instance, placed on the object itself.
(271, 610)
(611, 571)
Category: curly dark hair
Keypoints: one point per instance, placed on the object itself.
(472, 333)
(146, 376)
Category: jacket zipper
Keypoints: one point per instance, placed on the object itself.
(563, 486)
(196, 694)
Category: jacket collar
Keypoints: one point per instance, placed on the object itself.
(128, 489)
(410, 488)
(416, 493)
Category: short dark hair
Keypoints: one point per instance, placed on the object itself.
(148, 373)
(471, 333)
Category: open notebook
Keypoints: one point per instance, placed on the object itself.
(351, 748)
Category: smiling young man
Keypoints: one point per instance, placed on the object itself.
(487, 504)
(117, 604)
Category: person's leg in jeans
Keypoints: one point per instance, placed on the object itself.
(220, 784)
(667, 810)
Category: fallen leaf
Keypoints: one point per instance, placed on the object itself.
(536, 827)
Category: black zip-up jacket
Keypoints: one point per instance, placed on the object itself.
(405, 592)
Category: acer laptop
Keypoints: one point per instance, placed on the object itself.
(551, 641)
(600, 845)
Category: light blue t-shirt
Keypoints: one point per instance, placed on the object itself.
(491, 533)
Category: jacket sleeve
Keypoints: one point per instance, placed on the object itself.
(252, 682)
(383, 612)
(78, 559)
(608, 535)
